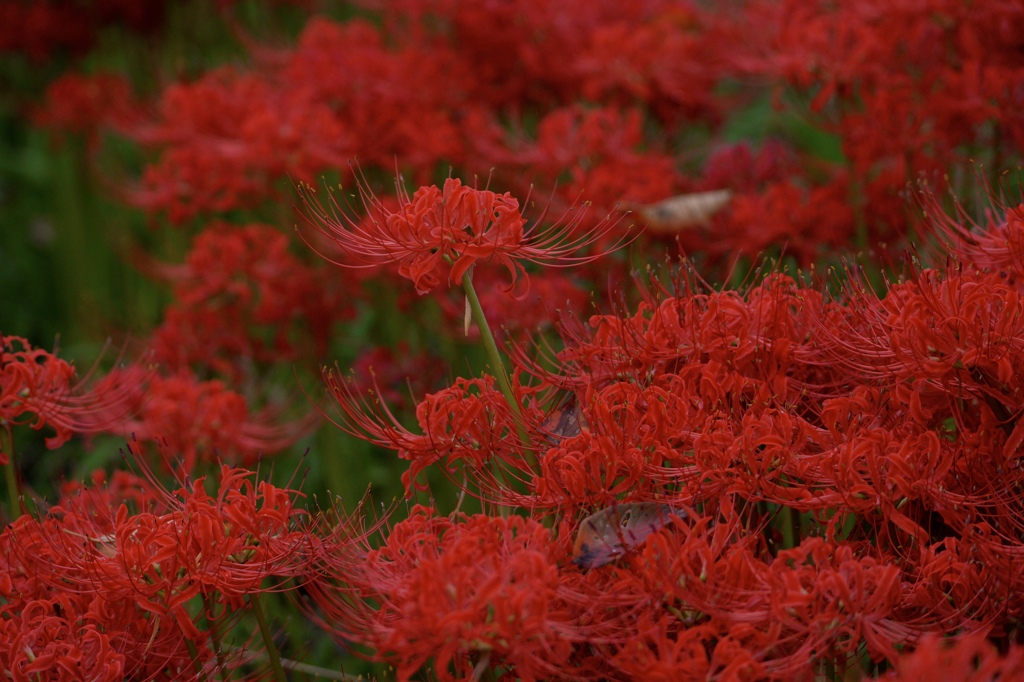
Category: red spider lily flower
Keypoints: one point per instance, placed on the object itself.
(603, 151)
(809, 222)
(54, 560)
(971, 658)
(204, 421)
(819, 599)
(995, 244)
(965, 583)
(468, 422)
(41, 643)
(462, 592)
(668, 650)
(940, 86)
(828, 599)
(227, 139)
(39, 388)
(240, 297)
(226, 544)
(146, 577)
(83, 105)
(656, 614)
(595, 466)
(666, 62)
(437, 235)
(949, 334)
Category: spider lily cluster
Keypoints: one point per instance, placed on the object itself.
(614, 471)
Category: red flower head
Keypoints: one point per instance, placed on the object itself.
(39, 643)
(969, 657)
(117, 580)
(463, 591)
(205, 420)
(455, 226)
(38, 388)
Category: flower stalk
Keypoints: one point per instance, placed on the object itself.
(504, 384)
(268, 638)
(210, 607)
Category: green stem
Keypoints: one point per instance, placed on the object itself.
(194, 653)
(268, 637)
(306, 668)
(10, 472)
(830, 671)
(788, 521)
(499, 366)
(211, 620)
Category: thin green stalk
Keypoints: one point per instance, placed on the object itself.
(211, 620)
(790, 522)
(829, 669)
(10, 473)
(314, 670)
(194, 653)
(495, 356)
(787, 520)
(268, 637)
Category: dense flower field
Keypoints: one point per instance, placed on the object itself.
(525, 340)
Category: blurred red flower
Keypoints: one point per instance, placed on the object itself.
(39, 388)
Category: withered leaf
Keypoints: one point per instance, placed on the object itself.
(615, 530)
(685, 210)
